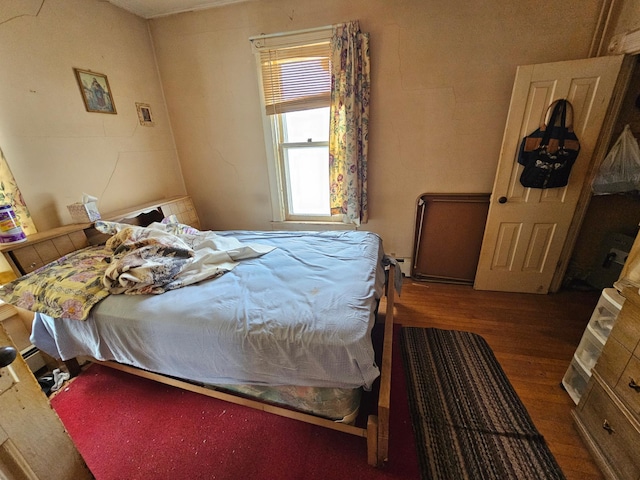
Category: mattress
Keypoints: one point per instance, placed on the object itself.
(300, 315)
(337, 404)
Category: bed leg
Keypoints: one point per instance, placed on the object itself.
(73, 366)
(383, 437)
(372, 440)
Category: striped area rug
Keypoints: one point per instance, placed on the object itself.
(468, 420)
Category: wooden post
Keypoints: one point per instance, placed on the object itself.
(384, 401)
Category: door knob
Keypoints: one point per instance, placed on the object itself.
(7, 356)
(502, 200)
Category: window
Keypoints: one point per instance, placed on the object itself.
(296, 88)
(304, 158)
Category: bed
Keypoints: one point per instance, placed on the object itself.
(288, 330)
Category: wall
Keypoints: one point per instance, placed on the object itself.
(625, 17)
(55, 148)
(442, 74)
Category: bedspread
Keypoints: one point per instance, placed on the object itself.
(301, 315)
(155, 259)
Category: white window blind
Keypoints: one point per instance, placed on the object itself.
(296, 78)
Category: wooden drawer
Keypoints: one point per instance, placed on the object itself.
(625, 389)
(612, 361)
(627, 327)
(35, 255)
(619, 441)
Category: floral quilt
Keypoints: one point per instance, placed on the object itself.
(66, 288)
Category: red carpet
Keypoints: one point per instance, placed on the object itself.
(127, 427)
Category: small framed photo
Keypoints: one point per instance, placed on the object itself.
(144, 114)
(95, 90)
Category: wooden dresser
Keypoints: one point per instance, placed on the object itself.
(608, 415)
(44, 247)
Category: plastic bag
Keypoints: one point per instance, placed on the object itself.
(620, 170)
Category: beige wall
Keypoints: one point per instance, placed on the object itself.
(625, 17)
(442, 74)
(56, 149)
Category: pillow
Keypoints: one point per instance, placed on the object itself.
(65, 288)
(170, 219)
(174, 226)
(110, 228)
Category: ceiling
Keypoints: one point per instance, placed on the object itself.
(160, 8)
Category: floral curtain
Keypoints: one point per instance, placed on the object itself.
(348, 134)
(10, 195)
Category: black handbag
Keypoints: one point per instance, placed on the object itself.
(548, 153)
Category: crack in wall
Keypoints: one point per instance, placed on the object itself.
(25, 14)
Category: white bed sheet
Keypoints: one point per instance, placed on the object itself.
(299, 315)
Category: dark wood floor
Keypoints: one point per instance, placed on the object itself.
(533, 337)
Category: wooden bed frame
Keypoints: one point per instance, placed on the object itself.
(377, 429)
(44, 247)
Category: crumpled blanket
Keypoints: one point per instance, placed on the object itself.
(153, 260)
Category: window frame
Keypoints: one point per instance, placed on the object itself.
(278, 127)
(273, 128)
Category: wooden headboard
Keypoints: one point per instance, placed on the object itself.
(143, 219)
(44, 247)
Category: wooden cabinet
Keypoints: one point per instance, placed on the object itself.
(608, 415)
(17, 323)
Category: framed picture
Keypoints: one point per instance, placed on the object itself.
(95, 90)
(144, 114)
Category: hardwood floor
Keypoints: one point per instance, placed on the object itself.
(533, 337)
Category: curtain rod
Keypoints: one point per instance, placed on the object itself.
(285, 34)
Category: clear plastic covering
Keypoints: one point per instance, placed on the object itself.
(338, 404)
(620, 170)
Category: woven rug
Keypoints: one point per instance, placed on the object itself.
(468, 420)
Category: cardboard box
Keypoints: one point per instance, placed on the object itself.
(84, 212)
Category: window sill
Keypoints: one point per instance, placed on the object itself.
(313, 226)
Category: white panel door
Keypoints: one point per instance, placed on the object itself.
(526, 228)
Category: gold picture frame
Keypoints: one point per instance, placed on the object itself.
(144, 114)
(95, 91)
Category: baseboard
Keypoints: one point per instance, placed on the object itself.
(34, 358)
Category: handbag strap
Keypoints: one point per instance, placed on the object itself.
(569, 108)
(568, 104)
(559, 108)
